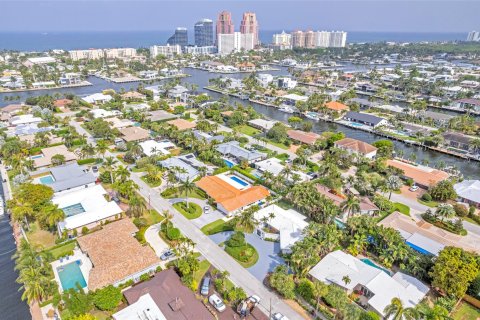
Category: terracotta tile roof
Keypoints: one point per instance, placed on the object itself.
(336, 106)
(355, 145)
(367, 205)
(134, 134)
(304, 137)
(424, 176)
(115, 253)
(12, 108)
(328, 193)
(182, 124)
(62, 102)
(176, 301)
(133, 95)
(228, 196)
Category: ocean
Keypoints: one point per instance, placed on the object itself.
(43, 41)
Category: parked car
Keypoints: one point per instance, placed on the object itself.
(206, 209)
(217, 302)
(167, 255)
(95, 168)
(278, 316)
(205, 286)
(413, 188)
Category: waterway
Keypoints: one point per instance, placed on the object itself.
(470, 169)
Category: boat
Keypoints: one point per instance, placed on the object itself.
(312, 115)
(287, 109)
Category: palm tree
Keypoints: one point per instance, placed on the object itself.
(167, 218)
(346, 279)
(187, 186)
(320, 289)
(445, 210)
(351, 205)
(34, 284)
(392, 183)
(246, 220)
(109, 163)
(396, 311)
(102, 147)
(136, 206)
(123, 173)
(436, 313)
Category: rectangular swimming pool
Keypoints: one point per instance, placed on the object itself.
(46, 179)
(229, 163)
(239, 181)
(37, 156)
(70, 274)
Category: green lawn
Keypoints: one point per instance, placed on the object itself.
(280, 145)
(402, 208)
(282, 156)
(217, 226)
(431, 204)
(62, 250)
(465, 311)
(151, 184)
(470, 220)
(192, 212)
(200, 273)
(249, 131)
(38, 237)
(176, 193)
(246, 255)
(153, 217)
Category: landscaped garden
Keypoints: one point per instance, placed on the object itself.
(171, 193)
(217, 226)
(192, 211)
(465, 311)
(240, 250)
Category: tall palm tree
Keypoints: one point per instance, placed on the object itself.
(392, 183)
(109, 163)
(396, 311)
(445, 210)
(351, 205)
(246, 220)
(187, 186)
(123, 173)
(319, 290)
(102, 147)
(167, 218)
(34, 283)
(136, 206)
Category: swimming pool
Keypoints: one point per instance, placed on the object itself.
(46, 179)
(372, 264)
(70, 274)
(37, 156)
(229, 163)
(239, 181)
(356, 124)
(73, 209)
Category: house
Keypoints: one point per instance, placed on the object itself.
(423, 236)
(458, 141)
(275, 167)
(468, 191)
(133, 95)
(178, 93)
(116, 123)
(439, 119)
(24, 119)
(38, 61)
(152, 147)
(423, 176)
(231, 193)
(336, 106)
(374, 285)
(145, 307)
(136, 107)
(264, 79)
(65, 178)
(10, 110)
(85, 208)
(232, 149)
(171, 296)
(293, 98)
(468, 104)
(262, 124)
(357, 147)
(45, 158)
(304, 137)
(286, 83)
(97, 98)
(246, 66)
(70, 79)
(188, 165)
(365, 119)
(362, 103)
(116, 256)
(182, 124)
(102, 113)
(160, 115)
(62, 103)
(134, 134)
(207, 137)
(288, 224)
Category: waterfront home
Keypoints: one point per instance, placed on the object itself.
(207, 137)
(148, 74)
(10, 111)
(36, 61)
(152, 147)
(336, 106)
(70, 79)
(458, 141)
(131, 134)
(233, 150)
(422, 176)
(97, 98)
(357, 147)
(304, 137)
(262, 124)
(286, 83)
(439, 119)
(264, 79)
(275, 167)
(468, 104)
(133, 95)
(286, 226)
(65, 178)
(144, 306)
(182, 124)
(116, 256)
(102, 113)
(468, 191)
(390, 108)
(246, 66)
(293, 98)
(375, 286)
(44, 159)
(423, 236)
(365, 119)
(188, 165)
(178, 93)
(160, 115)
(231, 193)
(170, 295)
(24, 119)
(362, 103)
(85, 208)
(62, 104)
(116, 123)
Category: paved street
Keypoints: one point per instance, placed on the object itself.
(205, 218)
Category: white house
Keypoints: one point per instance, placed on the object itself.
(152, 147)
(375, 287)
(24, 119)
(97, 98)
(468, 191)
(275, 167)
(144, 308)
(264, 79)
(102, 113)
(286, 83)
(289, 225)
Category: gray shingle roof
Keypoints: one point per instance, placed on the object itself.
(70, 176)
(363, 117)
(233, 148)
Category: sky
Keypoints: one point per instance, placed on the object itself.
(352, 15)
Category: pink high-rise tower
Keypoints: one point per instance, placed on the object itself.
(224, 23)
(249, 24)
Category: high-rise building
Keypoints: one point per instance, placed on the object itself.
(473, 36)
(234, 42)
(338, 39)
(249, 24)
(168, 50)
(309, 39)
(282, 40)
(224, 23)
(298, 39)
(180, 37)
(204, 33)
(322, 39)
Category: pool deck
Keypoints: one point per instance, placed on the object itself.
(85, 266)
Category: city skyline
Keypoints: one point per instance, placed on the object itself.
(372, 16)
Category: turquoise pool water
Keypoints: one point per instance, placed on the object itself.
(372, 264)
(229, 163)
(37, 156)
(70, 274)
(46, 180)
(239, 181)
(355, 124)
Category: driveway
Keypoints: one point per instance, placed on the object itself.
(268, 253)
(205, 218)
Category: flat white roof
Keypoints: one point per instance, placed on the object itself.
(152, 147)
(144, 309)
(24, 119)
(338, 264)
(97, 97)
(295, 97)
(468, 189)
(102, 113)
(290, 223)
(93, 203)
